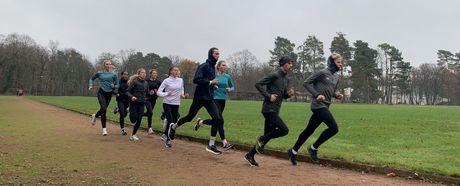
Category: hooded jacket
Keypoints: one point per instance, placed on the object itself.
(205, 73)
(323, 82)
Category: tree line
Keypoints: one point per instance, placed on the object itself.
(370, 75)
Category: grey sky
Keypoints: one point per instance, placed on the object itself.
(189, 28)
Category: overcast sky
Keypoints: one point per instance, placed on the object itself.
(189, 28)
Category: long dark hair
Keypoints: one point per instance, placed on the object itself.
(171, 68)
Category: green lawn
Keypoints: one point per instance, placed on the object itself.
(419, 138)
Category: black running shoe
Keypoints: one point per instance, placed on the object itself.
(213, 149)
(227, 146)
(313, 155)
(123, 132)
(198, 124)
(292, 157)
(162, 116)
(260, 144)
(172, 131)
(115, 111)
(251, 160)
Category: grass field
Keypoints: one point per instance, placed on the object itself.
(419, 138)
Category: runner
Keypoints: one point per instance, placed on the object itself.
(108, 81)
(322, 86)
(205, 79)
(154, 84)
(137, 92)
(276, 89)
(225, 85)
(172, 90)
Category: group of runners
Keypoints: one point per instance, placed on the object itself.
(137, 96)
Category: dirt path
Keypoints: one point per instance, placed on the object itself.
(44, 144)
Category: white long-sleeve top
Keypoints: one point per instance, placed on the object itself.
(174, 85)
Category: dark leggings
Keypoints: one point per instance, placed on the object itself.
(136, 111)
(274, 128)
(212, 109)
(150, 105)
(171, 113)
(319, 116)
(123, 111)
(221, 105)
(104, 100)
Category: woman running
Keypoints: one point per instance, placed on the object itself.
(108, 81)
(123, 100)
(225, 85)
(154, 84)
(322, 86)
(205, 79)
(172, 90)
(137, 91)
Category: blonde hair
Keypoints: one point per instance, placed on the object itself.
(135, 76)
(220, 63)
(106, 60)
(335, 55)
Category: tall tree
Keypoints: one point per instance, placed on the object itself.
(283, 47)
(311, 56)
(402, 80)
(311, 59)
(389, 57)
(445, 58)
(364, 73)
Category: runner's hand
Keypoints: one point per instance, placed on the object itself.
(273, 98)
(291, 92)
(320, 98)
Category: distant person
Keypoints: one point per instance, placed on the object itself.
(154, 84)
(108, 81)
(20, 92)
(224, 85)
(274, 88)
(322, 86)
(205, 79)
(122, 100)
(172, 91)
(137, 92)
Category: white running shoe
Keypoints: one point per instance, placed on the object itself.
(104, 131)
(151, 131)
(93, 119)
(134, 138)
(198, 123)
(165, 122)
